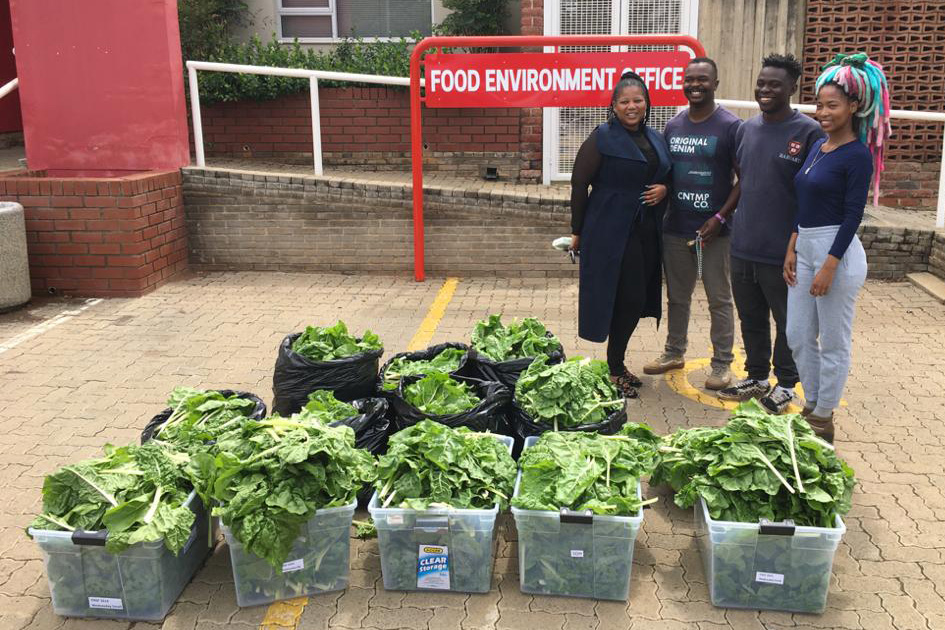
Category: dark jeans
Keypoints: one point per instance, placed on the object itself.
(641, 259)
(759, 291)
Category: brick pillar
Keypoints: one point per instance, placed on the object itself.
(533, 23)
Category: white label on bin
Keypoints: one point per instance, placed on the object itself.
(433, 567)
(577, 553)
(395, 519)
(769, 578)
(111, 603)
(293, 565)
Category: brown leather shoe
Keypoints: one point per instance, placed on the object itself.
(806, 411)
(823, 427)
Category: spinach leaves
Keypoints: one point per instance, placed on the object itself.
(324, 407)
(574, 393)
(446, 361)
(432, 465)
(757, 466)
(587, 471)
(198, 416)
(270, 477)
(137, 493)
(520, 339)
(333, 342)
(438, 394)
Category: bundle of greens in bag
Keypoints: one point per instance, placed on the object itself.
(446, 361)
(432, 465)
(587, 471)
(333, 342)
(518, 340)
(439, 394)
(367, 416)
(577, 393)
(137, 493)
(271, 477)
(757, 466)
(195, 417)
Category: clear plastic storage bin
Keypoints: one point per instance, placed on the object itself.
(436, 549)
(770, 566)
(575, 554)
(141, 583)
(317, 563)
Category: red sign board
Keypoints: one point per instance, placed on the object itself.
(548, 79)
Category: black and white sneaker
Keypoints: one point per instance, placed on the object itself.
(744, 389)
(777, 399)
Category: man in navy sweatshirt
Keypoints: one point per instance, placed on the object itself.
(771, 149)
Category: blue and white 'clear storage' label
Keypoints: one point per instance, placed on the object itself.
(433, 567)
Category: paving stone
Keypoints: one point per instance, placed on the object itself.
(451, 618)
(516, 620)
(353, 607)
(410, 618)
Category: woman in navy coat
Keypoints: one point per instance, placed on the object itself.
(618, 227)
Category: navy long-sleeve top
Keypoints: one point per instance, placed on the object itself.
(832, 189)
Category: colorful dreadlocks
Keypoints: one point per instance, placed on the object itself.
(862, 79)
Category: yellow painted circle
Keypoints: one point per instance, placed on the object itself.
(679, 382)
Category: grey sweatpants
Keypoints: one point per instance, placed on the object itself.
(820, 329)
(679, 262)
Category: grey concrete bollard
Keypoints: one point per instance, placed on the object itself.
(14, 263)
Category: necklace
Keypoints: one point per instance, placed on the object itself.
(820, 155)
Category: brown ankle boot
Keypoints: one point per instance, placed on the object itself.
(823, 427)
(806, 411)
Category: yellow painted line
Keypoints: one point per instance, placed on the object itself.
(678, 381)
(428, 326)
(286, 614)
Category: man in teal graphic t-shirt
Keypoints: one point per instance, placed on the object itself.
(702, 197)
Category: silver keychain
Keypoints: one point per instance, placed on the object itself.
(697, 242)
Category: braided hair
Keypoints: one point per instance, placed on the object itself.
(628, 79)
(862, 79)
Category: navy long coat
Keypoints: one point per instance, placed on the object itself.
(612, 213)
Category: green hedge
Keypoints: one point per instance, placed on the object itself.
(352, 55)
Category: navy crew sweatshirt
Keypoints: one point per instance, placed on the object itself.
(832, 189)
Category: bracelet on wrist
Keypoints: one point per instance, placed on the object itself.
(720, 218)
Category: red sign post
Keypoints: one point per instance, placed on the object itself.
(533, 80)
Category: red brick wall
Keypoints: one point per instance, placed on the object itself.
(533, 23)
(353, 120)
(101, 237)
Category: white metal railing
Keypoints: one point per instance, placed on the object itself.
(9, 87)
(314, 75)
(900, 114)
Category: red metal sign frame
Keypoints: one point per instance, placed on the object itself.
(499, 41)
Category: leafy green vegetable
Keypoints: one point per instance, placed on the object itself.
(446, 361)
(333, 342)
(136, 492)
(270, 477)
(518, 340)
(365, 529)
(198, 416)
(323, 406)
(432, 465)
(569, 394)
(758, 466)
(438, 394)
(587, 471)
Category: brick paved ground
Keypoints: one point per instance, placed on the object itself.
(96, 375)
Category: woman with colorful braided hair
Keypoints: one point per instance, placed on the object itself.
(618, 226)
(825, 264)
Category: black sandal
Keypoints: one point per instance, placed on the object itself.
(624, 383)
(632, 378)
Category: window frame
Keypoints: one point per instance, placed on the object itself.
(332, 10)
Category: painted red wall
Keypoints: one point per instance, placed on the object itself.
(9, 104)
(101, 85)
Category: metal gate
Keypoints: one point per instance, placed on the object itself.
(565, 128)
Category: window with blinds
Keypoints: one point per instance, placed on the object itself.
(332, 19)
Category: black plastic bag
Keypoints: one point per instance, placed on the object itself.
(295, 377)
(371, 425)
(507, 372)
(467, 366)
(488, 415)
(522, 425)
(258, 412)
